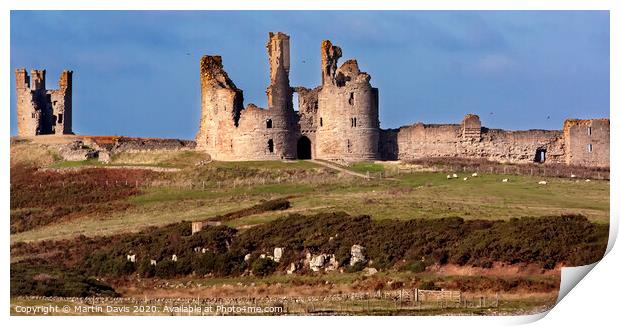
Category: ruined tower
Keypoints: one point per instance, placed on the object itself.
(280, 97)
(221, 102)
(230, 132)
(347, 110)
(41, 111)
(587, 142)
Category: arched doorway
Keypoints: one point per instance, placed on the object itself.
(304, 148)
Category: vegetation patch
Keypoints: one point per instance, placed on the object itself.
(42, 197)
(265, 206)
(172, 251)
(36, 278)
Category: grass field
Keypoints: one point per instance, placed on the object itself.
(77, 201)
(313, 188)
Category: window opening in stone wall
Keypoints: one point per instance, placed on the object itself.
(321, 121)
(33, 115)
(354, 122)
(589, 148)
(540, 155)
(295, 101)
(351, 122)
(349, 145)
(270, 145)
(269, 123)
(351, 99)
(589, 131)
(59, 117)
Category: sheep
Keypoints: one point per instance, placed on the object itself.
(573, 176)
(465, 179)
(131, 258)
(455, 175)
(174, 257)
(587, 180)
(153, 262)
(474, 174)
(505, 180)
(543, 182)
(449, 176)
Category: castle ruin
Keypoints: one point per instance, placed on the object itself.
(41, 111)
(339, 120)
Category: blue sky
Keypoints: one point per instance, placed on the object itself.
(136, 72)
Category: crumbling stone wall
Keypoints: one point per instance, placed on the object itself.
(587, 142)
(308, 104)
(470, 140)
(41, 111)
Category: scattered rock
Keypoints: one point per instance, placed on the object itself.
(369, 271)
(357, 255)
(277, 254)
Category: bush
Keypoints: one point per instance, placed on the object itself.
(429, 285)
(415, 266)
(165, 269)
(37, 278)
(263, 267)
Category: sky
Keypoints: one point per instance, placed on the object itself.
(136, 73)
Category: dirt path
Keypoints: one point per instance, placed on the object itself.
(340, 169)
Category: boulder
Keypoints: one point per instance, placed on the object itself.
(277, 254)
(369, 271)
(357, 255)
(291, 269)
(317, 262)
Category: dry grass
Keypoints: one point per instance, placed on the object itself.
(25, 153)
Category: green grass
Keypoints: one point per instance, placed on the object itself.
(405, 196)
(75, 164)
(300, 164)
(364, 167)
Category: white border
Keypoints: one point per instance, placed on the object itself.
(592, 301)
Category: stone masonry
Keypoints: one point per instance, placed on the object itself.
(41, 111)
(339, 120)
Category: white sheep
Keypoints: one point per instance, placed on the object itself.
(465, 179)
(449, 176)
(131, 258)
(474, 174)
(505, 180)
(543, 182)
(174, 257)
(455, 175)
(587, 180)
(573, 176)
(153, 262)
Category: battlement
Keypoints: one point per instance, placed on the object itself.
(41, 111)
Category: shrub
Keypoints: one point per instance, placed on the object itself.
(166, 269)
(415, 266)
(263, 266)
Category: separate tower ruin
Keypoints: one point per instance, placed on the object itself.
(41, 111)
